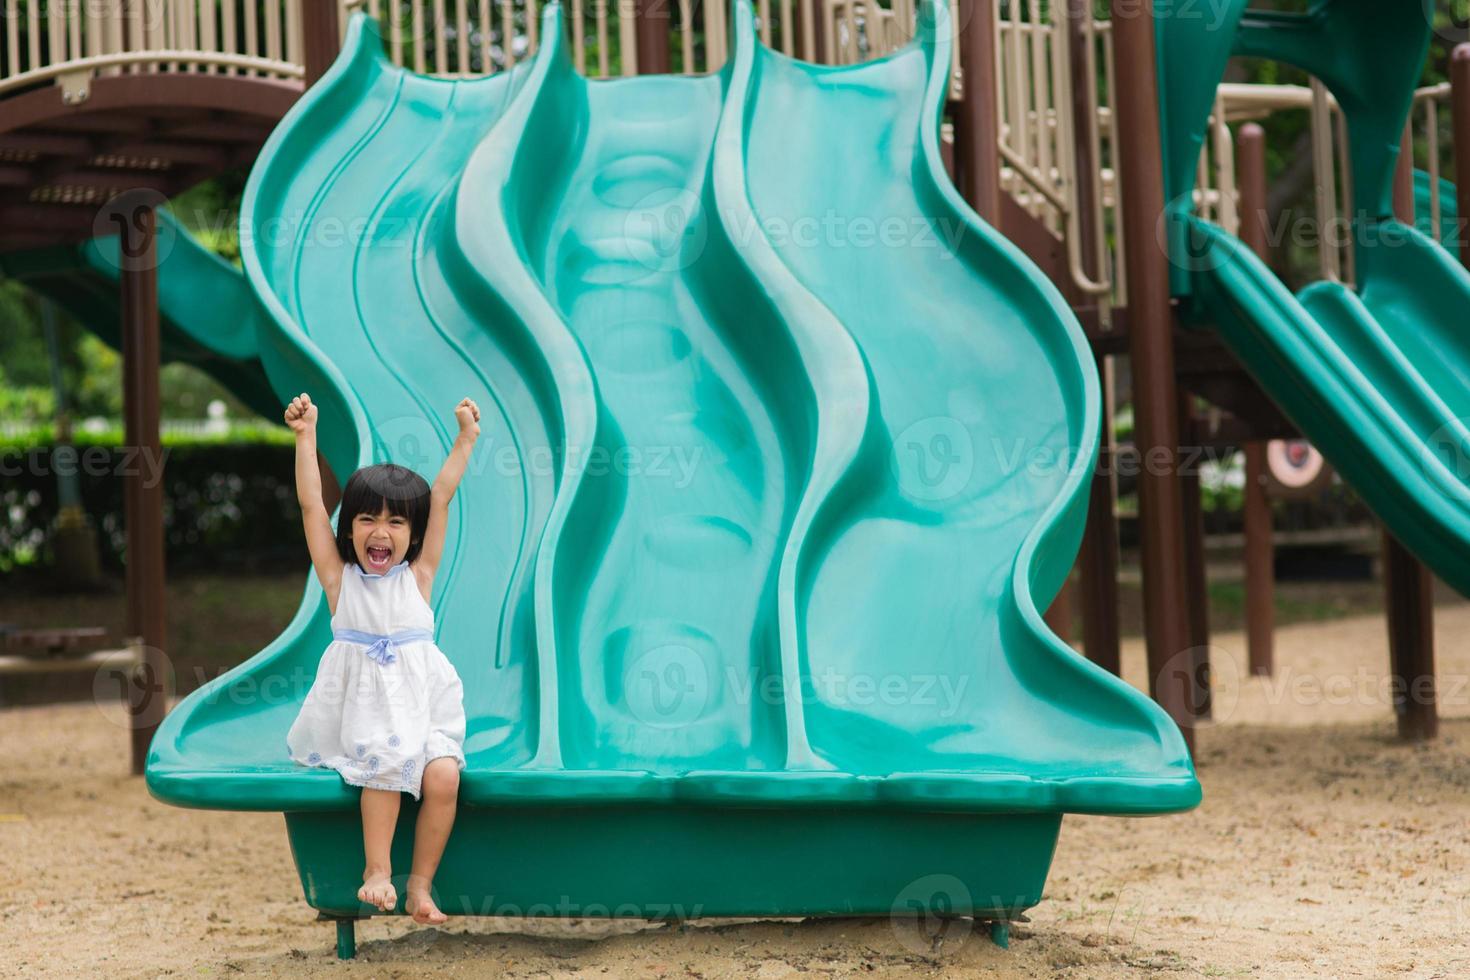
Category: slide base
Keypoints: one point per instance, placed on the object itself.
(694, 862)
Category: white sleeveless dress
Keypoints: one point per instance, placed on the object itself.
(385, 701)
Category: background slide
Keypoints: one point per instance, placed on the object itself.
(1379, 380)
(208, 317)
(1377, 376)
(775, 473)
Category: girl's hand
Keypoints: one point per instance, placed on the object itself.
(301, 414)
(468, 415)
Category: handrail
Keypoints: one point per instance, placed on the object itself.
(71, 41)
(265, 66)
(1038, 130)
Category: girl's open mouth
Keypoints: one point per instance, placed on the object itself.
(379, 557)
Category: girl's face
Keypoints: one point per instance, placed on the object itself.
(380, 540)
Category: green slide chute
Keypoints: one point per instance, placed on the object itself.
(783, 451)
(1377, 376)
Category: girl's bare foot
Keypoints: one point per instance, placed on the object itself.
(422, 908)
(377, 889)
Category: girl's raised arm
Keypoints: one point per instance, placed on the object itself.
(321, 540)
(467, 414)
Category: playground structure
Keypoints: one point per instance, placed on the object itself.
(1042, 98)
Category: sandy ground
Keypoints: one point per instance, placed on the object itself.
(1325, 848)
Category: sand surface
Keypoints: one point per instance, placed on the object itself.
(1325, 848)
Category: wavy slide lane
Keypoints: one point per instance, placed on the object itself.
(349, 242)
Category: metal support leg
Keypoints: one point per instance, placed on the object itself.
(346, 939)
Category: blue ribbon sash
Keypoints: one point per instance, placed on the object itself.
(380, 646)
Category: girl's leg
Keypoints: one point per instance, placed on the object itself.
(438, 798)
(379, 817)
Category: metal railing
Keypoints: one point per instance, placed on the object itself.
(1039, 133)
(70, 41)
(1429, 103)
(1332, 176)
(460, 38)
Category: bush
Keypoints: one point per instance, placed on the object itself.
(227, 504)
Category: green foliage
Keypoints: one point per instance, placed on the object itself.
(226, 503)
(211, 213)
(43, 435)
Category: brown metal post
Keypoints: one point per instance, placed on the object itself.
(1403, 179)
(1408, 585)
(321, 38)
(1260, 565)
(142, 484)
(976, 126)
(1260, 570)
(1410, 640)
(1460, 117)
(1196, 582)
(1098, 560)
(651, 33)
(1058, 615)
(1151, 348)
(331, 489)
(1250, 169)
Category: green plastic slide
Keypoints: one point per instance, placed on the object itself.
(782, 452)
(1377, 376)
(1379, 379)
(208, 316)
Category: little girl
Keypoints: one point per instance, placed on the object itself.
(386, 709)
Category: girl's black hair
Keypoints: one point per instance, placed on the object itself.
(402, 491)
